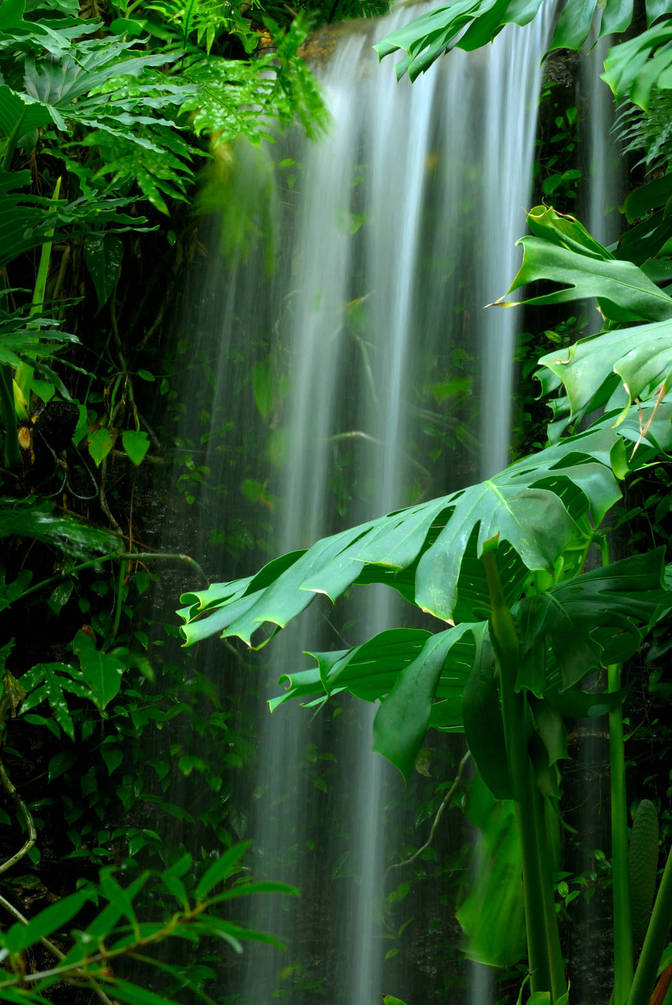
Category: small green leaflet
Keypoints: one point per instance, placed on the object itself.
(135, 443)
(101, 672)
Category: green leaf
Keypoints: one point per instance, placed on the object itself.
(483, 727)
(133, 994)
(640, 356)
(101, 672)
(594, 620)
(48, 921)
(496, 892)
(48, 682)
(101, 442)
(60, 763)
(103, 254)
(224, 867)
(624, 292)
(402, 720)
(469, 24)
(637, 67)
(533, 510)
(136, 444)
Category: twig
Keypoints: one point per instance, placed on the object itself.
(643, 432)
(439, 813)
(9, 787)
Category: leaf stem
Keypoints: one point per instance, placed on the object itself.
(10, 789)
(140, 556)
(505, 642)
(623, 957)
(439, 813)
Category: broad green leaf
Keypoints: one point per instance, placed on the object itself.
(402, 720)
(533, 510)
(101, 672)
(25, 518)
(483, 728)
(635, 68)
(595, 619)
(48, 921)
(101, 441)
(18, 116)
(624, 292)
(641, 357)
(376, 671)
(136, 444)
(497, 891)
(103, 254)
(469, 24)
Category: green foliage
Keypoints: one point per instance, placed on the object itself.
(187, 903)
(506, 559)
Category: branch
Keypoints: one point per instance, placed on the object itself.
(9, 787)
(439, 813)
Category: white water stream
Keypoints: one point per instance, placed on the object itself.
(388, 383)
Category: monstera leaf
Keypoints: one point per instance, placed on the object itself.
(447, 680)
(562, 252)
(532, 511)
(639, 359)
(469, 24)
(637, 67)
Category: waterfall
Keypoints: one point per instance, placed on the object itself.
(358, 375)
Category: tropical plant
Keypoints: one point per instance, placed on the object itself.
(504, 563)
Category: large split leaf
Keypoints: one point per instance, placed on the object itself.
(635, 68)
(492, 916)
(418, 678)
(639, 358)
(533, 510)
(592, 621)
(562, 252)
(469, 24)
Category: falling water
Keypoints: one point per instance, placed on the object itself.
(379, 380)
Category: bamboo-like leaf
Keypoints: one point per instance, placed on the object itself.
(48, 921)
(226, 865)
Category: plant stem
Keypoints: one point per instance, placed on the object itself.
(505, 641)
(655, 941)
(623, 958)
(140, 556)
(439, 813)
(10, 789)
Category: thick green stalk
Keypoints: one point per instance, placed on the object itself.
(553, 948)
(12, 453)
(623, 958)
(623, 955)
(655, 941)
(505, 641)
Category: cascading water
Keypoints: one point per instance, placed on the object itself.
(378, 380)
